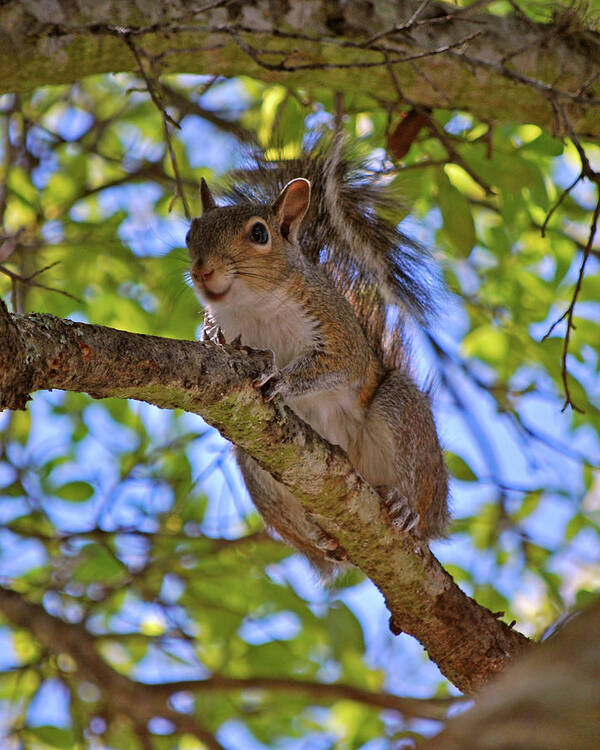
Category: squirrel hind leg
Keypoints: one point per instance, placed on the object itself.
(397, 451)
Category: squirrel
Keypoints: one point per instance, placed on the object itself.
(326, 284)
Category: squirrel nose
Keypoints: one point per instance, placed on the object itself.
(202, 273)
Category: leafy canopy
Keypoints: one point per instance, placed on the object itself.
(134, 521)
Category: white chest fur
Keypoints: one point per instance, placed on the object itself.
(282, 326)
(267, 322)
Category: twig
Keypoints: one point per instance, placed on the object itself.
(433, 708)
(457, 158)
(9, 243)
(401, 27)
(571, 308)
(541, 86)
(28, 281)
(452, 152)
(422, 74)
(153, 85)
(564, 194)
(586, 84)
(468, 414)
(254, 54)
(593, 176)
(553, 326)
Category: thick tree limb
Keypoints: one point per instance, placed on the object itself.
(467, 641)
(550, 700)
(498, 68)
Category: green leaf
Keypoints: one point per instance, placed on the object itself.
(529, 504)
(459, 468)
(575, 525)
(97, 564)
(544, 145)
(53, 736)
(75, 492)
(488, 343)
(456, 213)
(488, 596)
(486, 526)
(15, 489)
(344, 630)
(19, 686)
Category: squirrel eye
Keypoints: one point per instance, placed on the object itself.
(187, 236)
(259, 234)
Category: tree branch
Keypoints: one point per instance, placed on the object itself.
(467, 641)
(509, 73)
(123, 695)
(550, 700)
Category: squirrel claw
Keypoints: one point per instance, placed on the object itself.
(220, 337)
(330, 547)
(237, 342)
(402, 515)
(272, 387)
(271, 383)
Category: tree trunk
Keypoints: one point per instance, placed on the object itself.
(550, 700)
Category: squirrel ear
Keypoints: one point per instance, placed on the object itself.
(208, 202)
(290, 207)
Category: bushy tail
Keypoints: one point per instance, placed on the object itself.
(382, 272)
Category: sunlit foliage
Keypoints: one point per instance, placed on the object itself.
(134, 523)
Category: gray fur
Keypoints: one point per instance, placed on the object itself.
(340, 363)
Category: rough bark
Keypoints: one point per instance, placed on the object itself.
(505, 69)
(467, 641)
(549, 700)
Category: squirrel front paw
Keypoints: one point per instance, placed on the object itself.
(402, 515)
(271, 383)
(214, 334)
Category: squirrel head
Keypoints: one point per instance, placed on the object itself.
(245, 249)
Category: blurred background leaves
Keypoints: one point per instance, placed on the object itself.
(132, 523)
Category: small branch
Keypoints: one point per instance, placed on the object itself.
(254, 54)
(546, 89)
(593, 176)
(188, 107)
(401, 27)
(437, 133)
(9, 243)
(28, 281)
(553, 326)
(153, 87)
(563, 195)
(571, 308)
(426, 708)
(457, 158)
